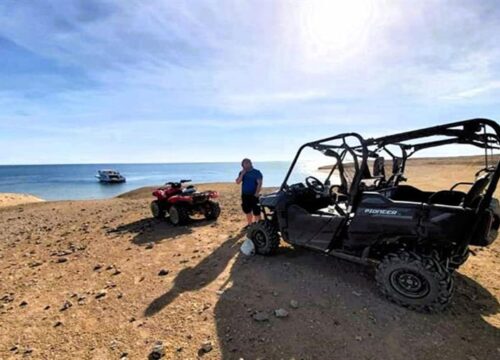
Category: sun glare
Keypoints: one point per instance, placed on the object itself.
(332, 31)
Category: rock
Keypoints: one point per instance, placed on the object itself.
(163, 272)
(66, 305)
(116, 272)
(280, 313)
(101, 294)
(97, 267)
(35, 264)
(124, 355)
(150, 245)
(356, 293)
(14, 348)
(157, 352)
(61, 260)
(275, 293)
(358, 338)
(23, 303)
(294, 304)
(58, 323)
(260, 316)
(206, 347)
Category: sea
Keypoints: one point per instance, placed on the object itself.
(76, 182)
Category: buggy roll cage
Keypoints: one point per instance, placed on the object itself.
(482, 133)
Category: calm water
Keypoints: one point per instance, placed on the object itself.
(61, 182)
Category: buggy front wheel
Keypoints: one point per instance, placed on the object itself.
(418, 282)
(264, 236)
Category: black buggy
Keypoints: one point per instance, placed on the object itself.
(416, 238)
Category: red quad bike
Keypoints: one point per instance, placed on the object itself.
(180, 202)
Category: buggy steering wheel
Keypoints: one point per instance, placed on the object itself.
(315, 184)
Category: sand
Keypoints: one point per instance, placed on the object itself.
(81, 280)
(10, 199)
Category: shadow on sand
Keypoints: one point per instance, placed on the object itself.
(197, 277)
(341, 314)
(154, 230)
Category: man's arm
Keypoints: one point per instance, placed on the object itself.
(239, 179)
(259, 187)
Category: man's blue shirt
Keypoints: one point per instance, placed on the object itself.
(249, 183)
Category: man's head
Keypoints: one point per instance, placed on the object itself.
(246, 164)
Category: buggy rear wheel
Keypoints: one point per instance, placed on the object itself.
(157, 210)
(211, 210)
(178, 215)
(265, 237)
(418, 282)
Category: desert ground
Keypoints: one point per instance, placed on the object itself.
(104, 280)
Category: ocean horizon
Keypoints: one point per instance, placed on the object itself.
(78, 181)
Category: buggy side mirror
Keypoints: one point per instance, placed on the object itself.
(379, 167)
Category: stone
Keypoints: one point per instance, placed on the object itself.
(163, 272)
(61, 260)
(294, 304)
(260, 316)
(100, 294)
(150, 245)
(97, 267)
(157, 352)
(206, 347)
(280, 313)
(66, 305)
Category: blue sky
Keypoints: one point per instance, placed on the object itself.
(187, 81)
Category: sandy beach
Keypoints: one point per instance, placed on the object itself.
(102, 279)
(9, 199)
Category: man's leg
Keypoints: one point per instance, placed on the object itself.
(249, 218)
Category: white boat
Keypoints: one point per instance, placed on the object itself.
(110, 177)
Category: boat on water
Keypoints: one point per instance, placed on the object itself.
(110, 177)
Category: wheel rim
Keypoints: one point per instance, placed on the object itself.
(410, 283)
(174, 215)
(209, 211)
(259, 238)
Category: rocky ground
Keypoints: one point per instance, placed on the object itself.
(103, 280)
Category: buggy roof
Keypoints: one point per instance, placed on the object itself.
(483, 133)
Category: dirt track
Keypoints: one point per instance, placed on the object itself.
(79, 280)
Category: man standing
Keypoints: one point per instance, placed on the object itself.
(251, 184)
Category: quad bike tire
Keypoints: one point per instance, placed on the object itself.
(264, 236)
(157, 210)
(418, 282)
(212, 210)
(178, 215)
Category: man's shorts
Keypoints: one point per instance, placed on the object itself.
(250, 204)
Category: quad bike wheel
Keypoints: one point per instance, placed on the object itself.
(212, 210)
(265, 237)
(157, 210)
(178, 215)
(418, 282)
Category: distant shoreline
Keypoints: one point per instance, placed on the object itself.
(467, 160)
(13, 199)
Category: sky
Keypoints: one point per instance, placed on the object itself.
(105, 81)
